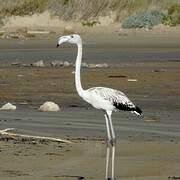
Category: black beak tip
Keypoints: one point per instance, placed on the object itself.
(57, 45)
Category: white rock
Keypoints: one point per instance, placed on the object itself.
(104, 65)
(57, 63)
(85, 65)
(92, 65)
(49, 106)
(8, 106)
(66, 64)
(38, 64)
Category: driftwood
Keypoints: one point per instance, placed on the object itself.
(13, 135)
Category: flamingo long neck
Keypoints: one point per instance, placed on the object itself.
(78, 69)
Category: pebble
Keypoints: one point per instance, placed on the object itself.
(8, 106)
(49, 106)
(38, 64)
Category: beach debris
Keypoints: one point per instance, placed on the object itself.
(159, 70)
(70, 176)
(117, 76)
(8, 106)
(92, 65)
(15, 135)
(66, 64)
(20, 75)
(85, 65)
(19, 64)
(174, 177)
(151, 119)
(38, 64)
(16, 64)
(38, 32)
(103, 65)
(132, 80)
(49, 106)
(57, 63)
(13, 35)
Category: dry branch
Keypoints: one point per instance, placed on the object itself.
(5, 132)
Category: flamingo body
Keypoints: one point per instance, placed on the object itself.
(110, 100)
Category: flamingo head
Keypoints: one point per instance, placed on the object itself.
(73, 39)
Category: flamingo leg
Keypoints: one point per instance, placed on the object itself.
(113, 141)
(108, 146)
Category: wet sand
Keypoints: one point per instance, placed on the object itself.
(146, 148)
(86, 160)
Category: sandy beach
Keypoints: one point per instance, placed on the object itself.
(147, 149)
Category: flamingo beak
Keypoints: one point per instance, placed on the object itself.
(62, 39)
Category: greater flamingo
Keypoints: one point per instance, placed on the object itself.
(103, 98)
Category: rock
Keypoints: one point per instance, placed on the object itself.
(26, 65)
(85, 65)
(16, 64)
(92, 65)
(19, 64)
(8, 106)
(104, 65)
(57, 63)
(66, 64)
(49, 106)
(38, 64)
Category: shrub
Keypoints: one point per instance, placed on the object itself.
(90, 23)
(145, 19)
(22, 7)
(174, 14)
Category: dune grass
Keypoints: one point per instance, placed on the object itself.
(82, 9)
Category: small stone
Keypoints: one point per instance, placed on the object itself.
(8, 106)
(16, 64)
(66, 64)
(49, 106)
(104, 65)
(92, 65)
(38, 64)
(85, 65)
(57, 63)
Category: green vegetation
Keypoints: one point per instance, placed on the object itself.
(146, 19)
(173, 18)
(90, 23)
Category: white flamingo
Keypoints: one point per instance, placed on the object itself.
(103, 98)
